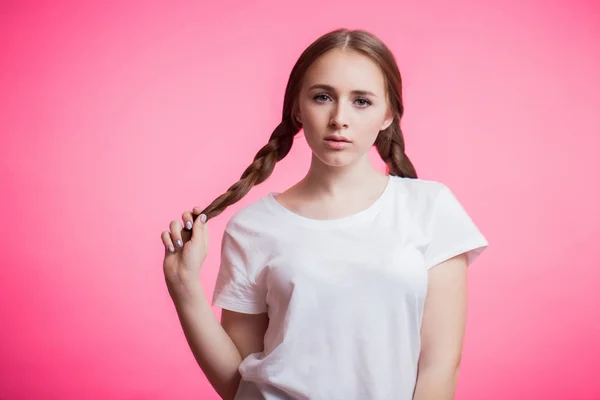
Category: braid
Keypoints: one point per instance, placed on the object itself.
(390, 145)
(262, 167)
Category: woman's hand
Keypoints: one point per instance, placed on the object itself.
(186, 247)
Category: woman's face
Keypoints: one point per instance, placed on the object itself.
(343, 106)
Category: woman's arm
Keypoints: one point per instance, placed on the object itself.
(442, 331)
(218, 349)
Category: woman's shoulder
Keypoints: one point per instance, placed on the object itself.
(420, 198)
(251, 215)
(419, 188)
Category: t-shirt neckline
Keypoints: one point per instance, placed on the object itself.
(361, 215)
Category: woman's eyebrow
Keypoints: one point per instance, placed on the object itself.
(331, 89)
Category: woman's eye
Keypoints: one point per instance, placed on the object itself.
(363, 102)
(321, 97)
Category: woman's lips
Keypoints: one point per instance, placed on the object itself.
(338, 138)
(337, 143)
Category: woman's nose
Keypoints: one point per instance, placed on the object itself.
(339, 118)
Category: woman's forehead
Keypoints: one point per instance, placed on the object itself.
(345, 71)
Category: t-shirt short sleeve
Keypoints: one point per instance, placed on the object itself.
(452, 231)
(235, 287)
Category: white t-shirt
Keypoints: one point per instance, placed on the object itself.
(344, 296)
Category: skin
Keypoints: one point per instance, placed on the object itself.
(340, 183)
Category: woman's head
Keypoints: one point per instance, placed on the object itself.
(343, 105)
(343, 61)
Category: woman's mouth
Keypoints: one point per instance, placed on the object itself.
(337, 142)
(338, 138)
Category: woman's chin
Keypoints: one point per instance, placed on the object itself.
(337, 160)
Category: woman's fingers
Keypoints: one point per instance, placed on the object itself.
(175, 228)
(195, 213)
(188, 222)
(200, 226)
(168, 243)
(176, 238)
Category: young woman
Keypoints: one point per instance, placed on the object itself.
(351, 284)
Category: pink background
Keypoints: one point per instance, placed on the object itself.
(116, 118)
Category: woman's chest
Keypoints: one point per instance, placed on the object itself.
(328, 265)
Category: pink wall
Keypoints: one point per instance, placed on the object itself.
(116, 118)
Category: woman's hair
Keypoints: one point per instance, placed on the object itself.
(389, 142)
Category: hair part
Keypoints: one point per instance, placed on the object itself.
(389, 143)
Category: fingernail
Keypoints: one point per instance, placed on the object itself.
(171, 248)
(188, 225)
(179, 243)
(203, 218)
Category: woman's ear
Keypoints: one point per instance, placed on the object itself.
(298, 118)
(388, 121)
